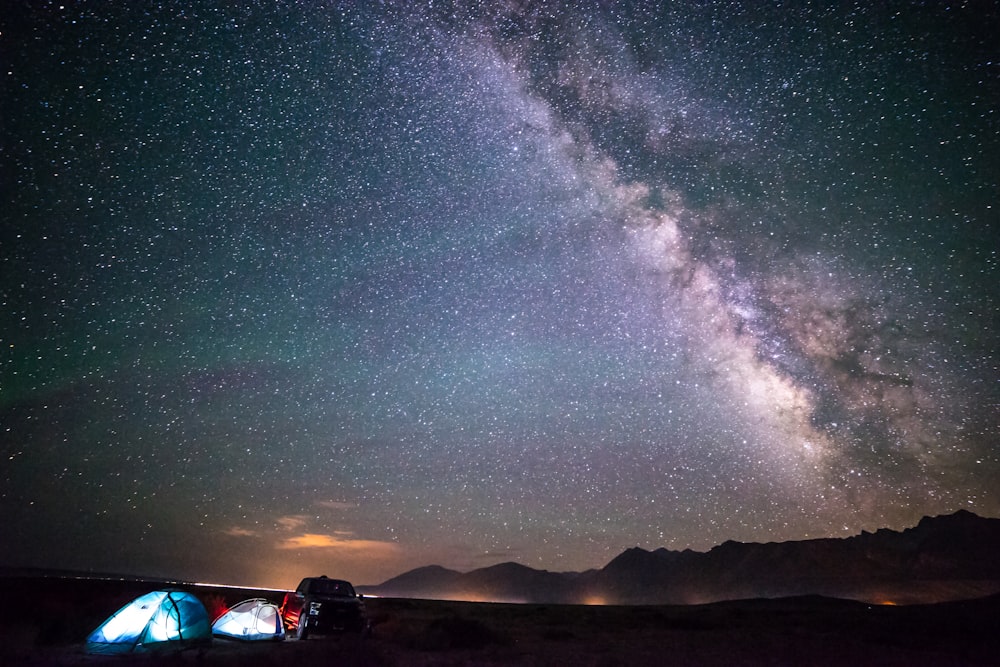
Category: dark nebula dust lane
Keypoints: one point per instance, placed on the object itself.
(316, 287)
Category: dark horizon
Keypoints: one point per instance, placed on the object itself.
(950, 528)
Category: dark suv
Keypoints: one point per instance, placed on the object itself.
(321, 604)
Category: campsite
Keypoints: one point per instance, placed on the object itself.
(49, 619)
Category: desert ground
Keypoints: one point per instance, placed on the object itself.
(44, 622)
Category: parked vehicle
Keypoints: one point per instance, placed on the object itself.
(321, 604)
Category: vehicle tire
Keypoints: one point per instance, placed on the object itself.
(302, 629)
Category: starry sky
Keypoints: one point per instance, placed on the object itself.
(350, 288)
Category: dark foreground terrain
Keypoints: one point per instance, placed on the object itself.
(44, 621)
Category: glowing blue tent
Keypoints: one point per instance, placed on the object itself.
(250, 619)
(158, 620)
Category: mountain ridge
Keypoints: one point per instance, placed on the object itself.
(947, 557)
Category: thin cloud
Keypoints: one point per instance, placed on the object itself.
(291, 522)
(236, 531)
(339, 541)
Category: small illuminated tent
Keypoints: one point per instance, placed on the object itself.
(158, 620)
(250, 619)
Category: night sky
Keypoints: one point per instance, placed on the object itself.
(299, 288)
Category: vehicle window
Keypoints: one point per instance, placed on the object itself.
(332, 587)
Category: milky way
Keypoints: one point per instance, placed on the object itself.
(326, 288)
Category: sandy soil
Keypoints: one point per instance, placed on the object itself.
(46, 621)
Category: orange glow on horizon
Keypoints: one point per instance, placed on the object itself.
(373, 548)
(595, 601)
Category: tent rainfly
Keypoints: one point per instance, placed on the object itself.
(250, 619)
(157, 620)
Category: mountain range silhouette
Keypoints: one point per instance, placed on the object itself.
(949, 557)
